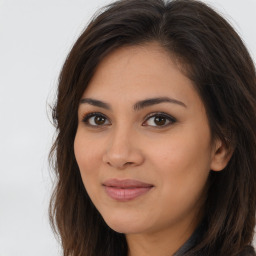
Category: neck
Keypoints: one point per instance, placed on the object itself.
(164, 243)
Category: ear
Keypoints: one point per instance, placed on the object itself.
(221, 155)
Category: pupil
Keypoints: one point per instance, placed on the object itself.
(160, 120)
(99, 120)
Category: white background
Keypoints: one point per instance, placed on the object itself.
(35, 37)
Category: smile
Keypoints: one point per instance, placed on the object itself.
(126, 190)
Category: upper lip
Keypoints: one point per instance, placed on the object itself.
(126, 183)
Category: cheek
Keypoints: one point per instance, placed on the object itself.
(183, 164)
(87, 154)
(182, 152)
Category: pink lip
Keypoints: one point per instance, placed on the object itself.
(125, 190)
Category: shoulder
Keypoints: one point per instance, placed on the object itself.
(247, 251)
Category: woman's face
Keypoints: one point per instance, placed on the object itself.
(143, 143)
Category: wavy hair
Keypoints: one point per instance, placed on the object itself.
(214, 57)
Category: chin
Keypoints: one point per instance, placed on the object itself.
(125, 225)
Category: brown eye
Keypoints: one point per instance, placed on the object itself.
(94, 119)
(159, 120)
(99, 120)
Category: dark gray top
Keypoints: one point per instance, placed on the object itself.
(197, 235)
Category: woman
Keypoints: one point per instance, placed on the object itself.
(156, 145)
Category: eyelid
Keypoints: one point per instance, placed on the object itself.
(162, 114)
(170, 118)
(87, 116)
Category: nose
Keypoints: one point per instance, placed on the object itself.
(123, 150)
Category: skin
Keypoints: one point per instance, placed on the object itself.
(174, 156)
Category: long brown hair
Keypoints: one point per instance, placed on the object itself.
(214, 57)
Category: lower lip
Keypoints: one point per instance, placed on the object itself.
(126, 194)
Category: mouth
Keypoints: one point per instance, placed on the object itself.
(126, 190)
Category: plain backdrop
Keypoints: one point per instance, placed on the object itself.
(35, 37)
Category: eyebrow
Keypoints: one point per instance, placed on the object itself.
(96, 103)
(137, 106)
(149, 102)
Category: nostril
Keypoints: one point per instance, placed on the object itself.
(123, 165)
(128, 163)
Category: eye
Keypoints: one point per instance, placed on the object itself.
(95, 119)
(159, 120)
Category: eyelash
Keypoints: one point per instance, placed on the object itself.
(167, 117)
(93, 114)
(170, 119)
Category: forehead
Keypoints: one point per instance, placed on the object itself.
(133, 73)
